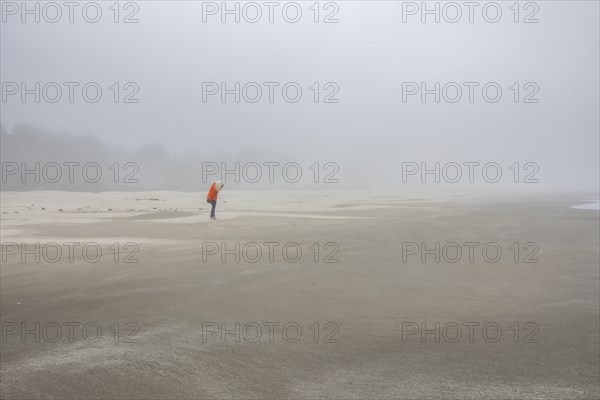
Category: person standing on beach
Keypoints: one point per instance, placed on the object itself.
(211, 198)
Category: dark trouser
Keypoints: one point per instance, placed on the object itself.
(213, 203)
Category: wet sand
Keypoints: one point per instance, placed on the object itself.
(360, 317)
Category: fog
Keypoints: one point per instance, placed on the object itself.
(411, 204)
(365, 123)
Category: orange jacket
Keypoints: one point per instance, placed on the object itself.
(212, 193)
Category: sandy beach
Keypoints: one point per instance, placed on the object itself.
(298, 295)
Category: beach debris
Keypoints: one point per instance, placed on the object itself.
(61, 210)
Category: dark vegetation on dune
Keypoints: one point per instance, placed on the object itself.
(150, 167)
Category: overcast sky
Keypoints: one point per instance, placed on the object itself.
(366, 56)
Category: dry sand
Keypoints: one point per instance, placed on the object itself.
(167, 300)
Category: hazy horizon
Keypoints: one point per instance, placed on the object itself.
(171, 61)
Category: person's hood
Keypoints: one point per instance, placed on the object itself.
(218, 185)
